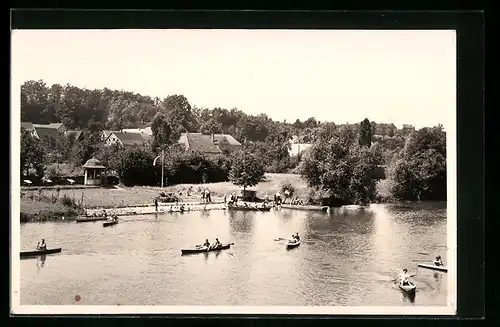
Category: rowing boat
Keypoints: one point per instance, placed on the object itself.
(292, 244)
(39, 252)
(204, 249)
(304, 207)
(433, 266)
(410, 288)
(89, 219)
(242, 208)
(109, 223)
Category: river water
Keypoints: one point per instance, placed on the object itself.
(347, 258)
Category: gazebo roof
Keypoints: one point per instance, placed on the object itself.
(93, 163)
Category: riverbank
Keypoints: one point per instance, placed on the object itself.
(45, 203)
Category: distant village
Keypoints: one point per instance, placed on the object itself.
(202, 143)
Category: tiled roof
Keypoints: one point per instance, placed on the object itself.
(76, 134)
(27, 125)
(130, 138)
(229, 138)
(46, 131)
(201, 143)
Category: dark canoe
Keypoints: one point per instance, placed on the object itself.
(304, 207)
(193, 251)
(89, 219)
(433, 266)
(109, 223)
(41, 252)
(241, 208)
(291, 245)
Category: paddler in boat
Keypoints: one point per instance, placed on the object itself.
(404, 277)
(297, 237)
(206, 244)
(438, 261)
(216, 244)
(41, 245)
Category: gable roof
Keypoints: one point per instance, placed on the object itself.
(44, 131)
(27, 125)
(201, 143)
(129, 138)
(229, 138)
(75, 134)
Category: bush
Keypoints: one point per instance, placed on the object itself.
(287, 186)
(68, 202)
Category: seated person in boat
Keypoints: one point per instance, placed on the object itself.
(216, 244)
(293, 239)
(41, 245)
(404, 277)
(438, 261)
(297, 237)
(207, 243)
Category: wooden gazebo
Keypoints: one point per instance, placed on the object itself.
(93, 172)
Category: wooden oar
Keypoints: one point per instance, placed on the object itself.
(280, 239)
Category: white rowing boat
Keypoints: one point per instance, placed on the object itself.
(408, 288)
(433, 266)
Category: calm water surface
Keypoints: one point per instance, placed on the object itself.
(347, 257)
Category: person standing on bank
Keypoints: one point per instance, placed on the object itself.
(156, 204)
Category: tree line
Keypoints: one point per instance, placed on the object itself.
(341, 165)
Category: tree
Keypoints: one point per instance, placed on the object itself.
(33, 154)
(246, 170)
(179, 114)
(341, 169)
(419, 169)
(135, 167)
(86, 148)
(163, 134)
(365, 133)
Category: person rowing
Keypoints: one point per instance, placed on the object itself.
(404, 277)
(206, 244)
(438, 261)
(41, 245)
(216, 244)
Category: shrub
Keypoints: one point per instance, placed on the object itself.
(287, 186)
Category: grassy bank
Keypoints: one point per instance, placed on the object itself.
(142, 195)
(40, 210)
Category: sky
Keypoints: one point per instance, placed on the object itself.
(344, 76)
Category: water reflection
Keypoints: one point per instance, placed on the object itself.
(40, 262)
(347, 257)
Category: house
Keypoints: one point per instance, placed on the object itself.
(126, 139)
(49, 130)
(105, 134)
(144, 131)
(407, 129)
(298, 148)
(209, 143)
(30, 128)
(385, 129)
(75, 134)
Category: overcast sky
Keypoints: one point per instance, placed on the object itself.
(404, 77)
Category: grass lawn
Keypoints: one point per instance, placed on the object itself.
(142, 195)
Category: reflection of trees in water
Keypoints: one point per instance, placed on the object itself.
(430, 212)
(241, 221)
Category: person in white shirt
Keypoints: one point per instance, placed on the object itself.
(438, 261)
(404, 277)
(41, 245)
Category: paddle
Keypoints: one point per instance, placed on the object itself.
(280, 239)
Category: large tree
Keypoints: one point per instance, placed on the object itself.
(246, 170)
(163, 134)
(342, 169)
(418, 171)
(365, 133)
(33, 154)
